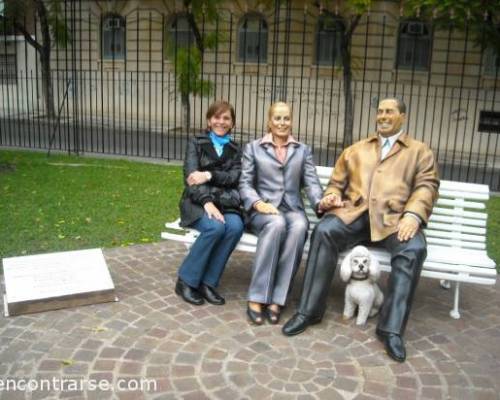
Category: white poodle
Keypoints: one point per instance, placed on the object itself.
(361, 270)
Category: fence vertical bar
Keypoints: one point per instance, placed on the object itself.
(28, 113)
(35, 82)
(365, 61)
(89, 73)
(137, 85)
(149, 82)
(286, 55)
(9, 120)
(304, 15)
(162, 71)
(216, 63)
(477, 89)
(230, 56)
(493, 100)
(274, 67)
(450, 28)
(466, 39)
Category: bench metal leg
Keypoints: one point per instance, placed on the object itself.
(455, 313)
(444, 284)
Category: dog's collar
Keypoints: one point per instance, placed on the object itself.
(359, 279)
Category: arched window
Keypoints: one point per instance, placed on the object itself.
(113, 37)
(252, 39)
(328, 40)
(414, 45)
(179, 32)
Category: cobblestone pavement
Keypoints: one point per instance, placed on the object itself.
(212, 352)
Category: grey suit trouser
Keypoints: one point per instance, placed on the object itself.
(280, 243)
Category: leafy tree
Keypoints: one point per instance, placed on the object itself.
(480, 17)
(188, 60)
(53, 29)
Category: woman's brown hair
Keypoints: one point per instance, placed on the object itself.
(218, 107)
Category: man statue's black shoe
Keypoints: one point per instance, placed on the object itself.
(298, 324)
(394, 345)
(188, 293)
(211, 295)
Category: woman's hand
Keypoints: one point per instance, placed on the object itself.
(198, 177)
(213, 212)
(330, 201)
(265, 208)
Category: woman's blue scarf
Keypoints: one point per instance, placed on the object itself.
(219, 142)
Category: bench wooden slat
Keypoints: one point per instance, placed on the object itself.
(454, 227)
(455, 235)
(457, 220)
(456, 243)
(475, 271)
(463, 195)
(460, 203)
(459, 213)
(464, 187)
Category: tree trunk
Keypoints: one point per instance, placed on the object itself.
(47, 87)
(44, 52)
(186, 113)
(348, 105)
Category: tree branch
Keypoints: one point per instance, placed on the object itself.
(27, 36)
(196, 32)
(354, 24)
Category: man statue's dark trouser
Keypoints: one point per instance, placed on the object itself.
(330, 237)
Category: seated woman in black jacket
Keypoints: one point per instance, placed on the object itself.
(210, 204)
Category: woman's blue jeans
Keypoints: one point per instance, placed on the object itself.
(208, 256)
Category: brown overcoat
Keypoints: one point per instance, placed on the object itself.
(405, 181)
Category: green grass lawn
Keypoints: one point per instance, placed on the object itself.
(493, 232)
(65, 203)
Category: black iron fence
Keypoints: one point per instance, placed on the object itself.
(117, 86)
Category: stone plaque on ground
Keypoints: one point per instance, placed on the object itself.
(56, 280)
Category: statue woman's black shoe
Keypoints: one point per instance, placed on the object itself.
(257, 317)
(188, 294)
(272, 316)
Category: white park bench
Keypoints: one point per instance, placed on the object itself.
(456, 237)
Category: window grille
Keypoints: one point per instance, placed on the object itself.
(252, 39)
(329, 35)
(414, 45)
(180, 32)
(113, 37)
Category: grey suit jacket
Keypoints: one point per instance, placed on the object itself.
(264, 178)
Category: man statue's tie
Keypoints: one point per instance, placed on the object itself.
(385, 148)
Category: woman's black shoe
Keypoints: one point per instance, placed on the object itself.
(188, 293)
(256, 317)
(211, 295)
(272, 316)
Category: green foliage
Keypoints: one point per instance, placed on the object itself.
(67, 203)
(57, 23)
(188, 67)
(208, 9)
(480, 18)
(19, 11)
(359, 6)
(188, 60)
(211, 39)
